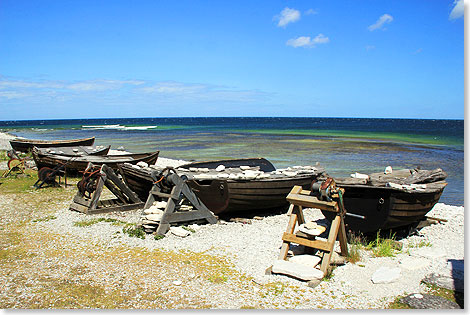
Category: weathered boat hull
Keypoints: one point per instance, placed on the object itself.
(25, 145)
(383, 208)
(74, 165)
(225, 196)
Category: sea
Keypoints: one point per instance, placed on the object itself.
(341, 145)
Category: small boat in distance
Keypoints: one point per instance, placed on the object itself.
(76, 164)
(77, 151)
(25, 145)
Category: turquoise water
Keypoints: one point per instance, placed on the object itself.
(341, 145)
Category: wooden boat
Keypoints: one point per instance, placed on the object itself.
(25, 145)
(76, 151)
(76, 164)
(394, 201)
(231, 195)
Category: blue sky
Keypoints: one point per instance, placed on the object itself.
(94, 59)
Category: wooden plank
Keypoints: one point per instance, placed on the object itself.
(312, 202)
(81, 200)
(335, 225)
(128, 207)
(115, 190)
(97, 193)
(289, 231)
(319, 244)
(78, 207)
(187, 216)
(113, 177)
(164, 225)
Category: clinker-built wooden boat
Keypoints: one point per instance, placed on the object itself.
(399, 200)
(75, 164)
(245, 185)
(25, 145)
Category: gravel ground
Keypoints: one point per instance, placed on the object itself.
(254, 247)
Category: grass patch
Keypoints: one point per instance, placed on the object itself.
(421, 243)
(86, 223)
(187, 228)
(45, 219)
(397, 304)
(159, 237)
(383, 247)
(133, 231)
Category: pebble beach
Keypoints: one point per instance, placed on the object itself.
(239, 254)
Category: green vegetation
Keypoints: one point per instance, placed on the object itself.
(383, 247)
(187, 228)
(86, 223)
(158, 237)
(48, 218)
(134, 231)
(354, 251)
(421, 243)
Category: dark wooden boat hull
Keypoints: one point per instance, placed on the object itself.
(25, 145)
(229, 196)
(79, 164)
(384, 208)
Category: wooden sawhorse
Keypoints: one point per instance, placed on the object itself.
(298, 199)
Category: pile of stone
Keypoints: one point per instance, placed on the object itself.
(152, 216)
(245, 172)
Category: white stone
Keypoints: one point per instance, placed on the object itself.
(195, 227)
(160, 204)
(296, 270)
(388, 170)
(148, 222)
(153, 210)
(359, 175)
(154, 217)
(142, 164)
(319, 229)
(193, 169)
(244, 167)
(220, 168)
(417, 296)
(223, 175)
(306, 260)
(233, 176)
(411, 263)
(288, 173)
(386, 275)
(429, 252)
(179, 231)
(177, 282)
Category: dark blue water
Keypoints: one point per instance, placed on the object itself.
(341, 145)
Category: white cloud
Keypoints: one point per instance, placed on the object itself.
(458, 10)
(386, 18)
(310, 12)
(287, 16)
(306, 41)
